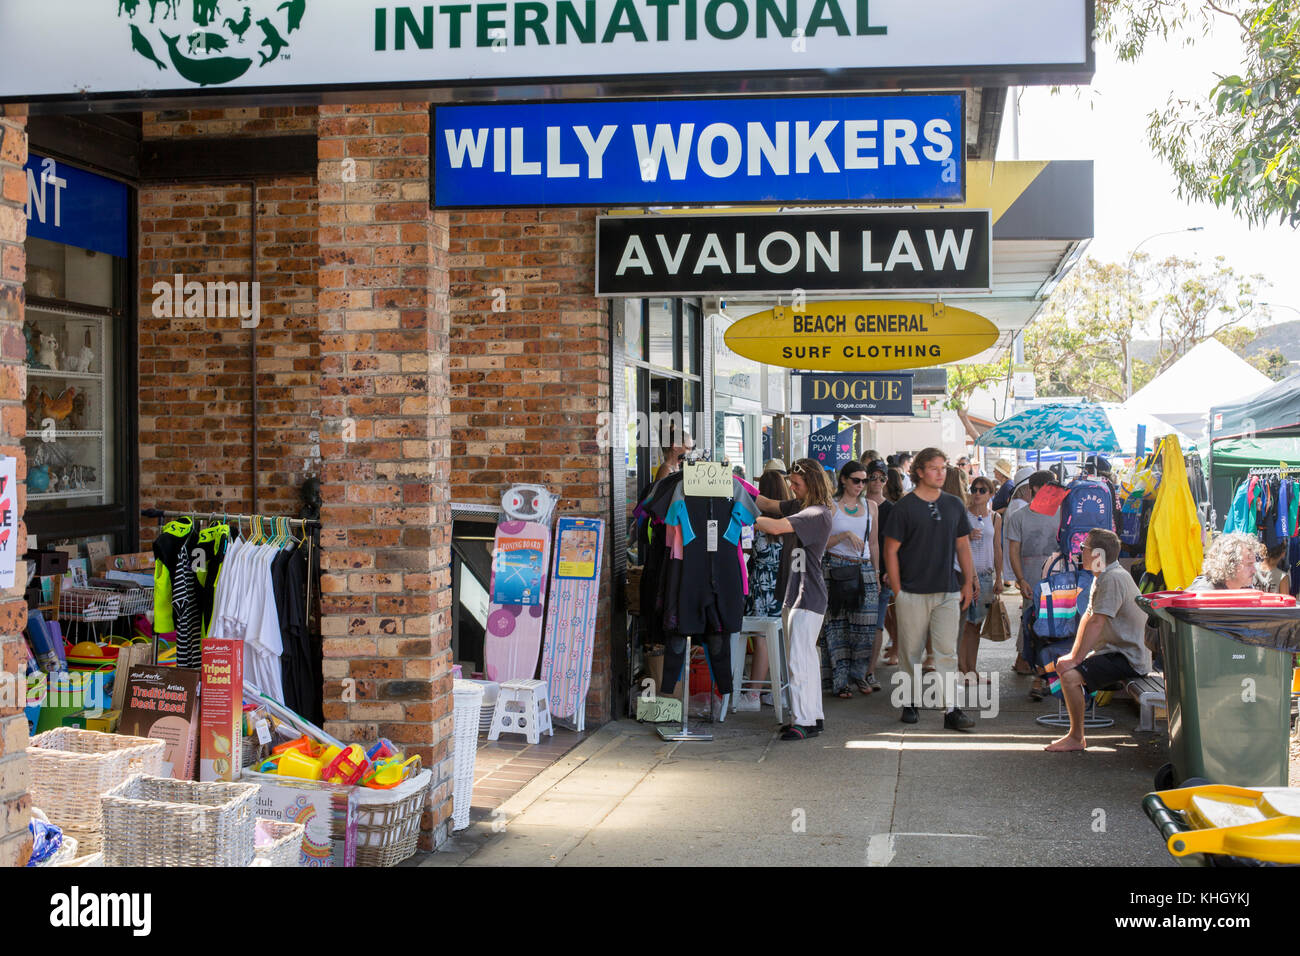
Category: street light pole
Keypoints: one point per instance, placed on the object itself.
(1128, 269)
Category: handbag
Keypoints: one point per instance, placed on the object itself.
(844, 588)
(997, 622)
(1062, 601)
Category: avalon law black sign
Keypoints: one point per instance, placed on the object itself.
(884, 394)
(845, 253)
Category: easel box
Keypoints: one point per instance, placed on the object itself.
(221, 710)
(163, 703)
(327, 811)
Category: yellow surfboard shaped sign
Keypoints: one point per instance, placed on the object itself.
(861, 336)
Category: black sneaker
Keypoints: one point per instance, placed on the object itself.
(909, 715)
(821, 723)
(799, 732)
(956, 720)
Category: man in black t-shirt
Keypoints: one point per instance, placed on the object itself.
(926, 538)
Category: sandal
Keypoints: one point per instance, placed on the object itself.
(868, 685)
(1037, 691)
(844, 694)
(796, 732)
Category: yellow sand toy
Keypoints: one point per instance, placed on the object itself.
(1260, 825)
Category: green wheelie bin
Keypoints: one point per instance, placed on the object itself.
(1227, 666)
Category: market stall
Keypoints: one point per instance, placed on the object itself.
(1260, 432)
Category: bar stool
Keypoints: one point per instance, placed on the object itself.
(778, 682)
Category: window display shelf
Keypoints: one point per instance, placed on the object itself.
(69, 433)
(53, 373)
(54, 495)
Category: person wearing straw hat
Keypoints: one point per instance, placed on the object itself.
(1002, 472)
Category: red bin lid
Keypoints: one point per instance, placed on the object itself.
(1247, 597)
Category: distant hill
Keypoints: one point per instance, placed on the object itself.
(1284, 336)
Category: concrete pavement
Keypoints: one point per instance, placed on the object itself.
(868, 791)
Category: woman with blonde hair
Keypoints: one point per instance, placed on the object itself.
(808, 517)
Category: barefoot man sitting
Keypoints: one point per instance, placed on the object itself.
(1109, 646)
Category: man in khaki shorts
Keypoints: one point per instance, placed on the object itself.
(926, 536)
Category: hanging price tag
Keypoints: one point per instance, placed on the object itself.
(263, 731)
(713, 536)
(706, 479)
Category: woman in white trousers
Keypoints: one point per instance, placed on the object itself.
(808, 516)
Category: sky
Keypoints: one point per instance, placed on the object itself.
(1135, 191)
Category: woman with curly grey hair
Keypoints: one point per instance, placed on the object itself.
(1229, 563)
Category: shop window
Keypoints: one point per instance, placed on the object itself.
(79, 357)
(663, 335)
(692, 329)
(634, 337)
(70, 332)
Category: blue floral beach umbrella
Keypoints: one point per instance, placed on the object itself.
(1080, 428)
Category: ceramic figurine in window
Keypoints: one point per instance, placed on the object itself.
(55, 480)
(31, 334)
(78, 418)
(81, 361)
(49, 357)
(35, 401)
(59, 408)
(38, 479)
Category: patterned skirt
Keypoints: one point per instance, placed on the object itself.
(849, 636)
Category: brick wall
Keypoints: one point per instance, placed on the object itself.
(195, 398)
(15, 843)
(241, 121)
(530, 371)
(384, 439)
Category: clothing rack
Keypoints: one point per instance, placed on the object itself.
(1281, 471)
(311, 528)
(307, 523)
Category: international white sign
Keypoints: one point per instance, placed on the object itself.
(61, 49)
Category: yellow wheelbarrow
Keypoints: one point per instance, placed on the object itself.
(1218, 825)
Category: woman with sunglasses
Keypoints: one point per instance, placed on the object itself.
(808, 516)
(850, 629)
(986, 553)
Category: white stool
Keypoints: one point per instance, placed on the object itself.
(777, 682)
(522, 709)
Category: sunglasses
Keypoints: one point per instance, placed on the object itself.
(856, 480)
(981, 491)
(934, 511)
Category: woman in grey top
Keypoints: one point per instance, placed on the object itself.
(808, 517)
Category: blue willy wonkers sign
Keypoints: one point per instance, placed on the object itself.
(897, 148)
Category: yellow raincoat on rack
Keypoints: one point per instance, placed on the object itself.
(1174, 545)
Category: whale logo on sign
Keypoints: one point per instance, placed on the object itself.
(201, 45)
(861, 336)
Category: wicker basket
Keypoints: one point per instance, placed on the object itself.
(252, 752)
(466, 710)
(157, 821)
(285, 848)
(72, 768)
(388, 821)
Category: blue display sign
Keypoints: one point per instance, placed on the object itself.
(885, 148)
(76, 208)
(831, 447)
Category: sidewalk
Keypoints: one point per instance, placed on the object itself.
(869, 791)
